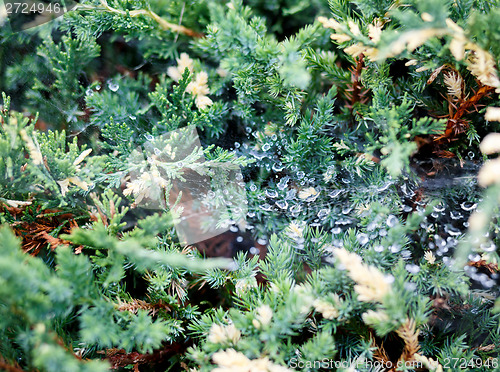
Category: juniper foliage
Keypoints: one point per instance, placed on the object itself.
(350, 121)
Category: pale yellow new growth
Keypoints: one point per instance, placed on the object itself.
(82, 156)
(354, 28)
(222, 333)
(453, 82)
(263, 316)
(199, 89)
(492, 114)
(432, 365)
(426, 17)
(35, 154)
(307, 193)
(477, 221)
(372, 285)
(141, 187)
(375, 30)
(482, 65)
(64, 184)
(326, 309)
(340, 38)
(372, 317)
(411, 40)
(330, 23)
(491, 143)
(429, 257)
(231, 360)
(489, 173)
(183, 62)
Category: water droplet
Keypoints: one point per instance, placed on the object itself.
(468, 206)
(323, 213)
(113, 86)
(248, 130)
(411, 287)
(384, 187)
(282, 184)
(392, 220)
(440, 242)
(239, 239)
(346, 210)
(337, 243)
(253, 187)
(474, 258)
(180, 164)
(439, 208)
(237, 145)
(89, 92)
(290, 194)
(378, 248)
(266, 207)
(149, 137)
(488, 247)
(283, 204)
(278, 167)
(336, 230)
(157, 151)
(382, 232)
(335, 193)
(394, 248)
(452, 230)
(262, 241)
(362, 238)
(254, 250)
(271, 193)
(344, 221)
(251, 214)
(300, 175)
(266, 147)
(456, 215)
(98, 87)
(407, 209)
(132, 117)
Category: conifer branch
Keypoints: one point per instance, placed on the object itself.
(165, 25)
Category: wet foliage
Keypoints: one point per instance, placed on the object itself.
(251, 186)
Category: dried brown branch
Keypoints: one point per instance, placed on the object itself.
(119, 358)
(135, 305)
(36, 234)
(409, 334)
(8, 367)
(355, 91)
(165, 25)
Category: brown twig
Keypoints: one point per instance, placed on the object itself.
(409, 334)
(36, 234)
(356, 92)
(5, 366)
(135, 305)
(165, 25)
(120, 358)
